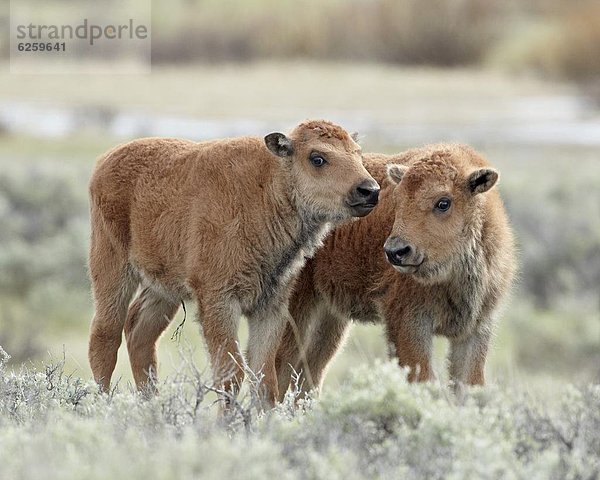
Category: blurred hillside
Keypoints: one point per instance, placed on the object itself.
(551, 38)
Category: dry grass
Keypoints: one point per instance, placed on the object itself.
(563, 44)
(434, 32)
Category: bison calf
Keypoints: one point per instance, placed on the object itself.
(449, 260)
(225, 222)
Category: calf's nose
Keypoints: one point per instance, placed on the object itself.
(367, 192)
(396, 250)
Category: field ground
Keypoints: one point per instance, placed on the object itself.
(567, 333)
(276, 90)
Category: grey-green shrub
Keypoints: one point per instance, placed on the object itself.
(43, 249)
(374, 426)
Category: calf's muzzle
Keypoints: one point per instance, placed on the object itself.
(402, 255)
(363, 197)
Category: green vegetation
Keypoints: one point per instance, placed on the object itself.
(374, 426)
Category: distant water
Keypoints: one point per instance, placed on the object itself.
(550, 120)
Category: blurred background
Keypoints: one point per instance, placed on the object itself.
(517, 79)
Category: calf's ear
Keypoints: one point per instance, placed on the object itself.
(395, 172)
(482, 180)
(279, 144)
(354, 136)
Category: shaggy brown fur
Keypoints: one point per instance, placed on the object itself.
(458, 266)
(225, 222)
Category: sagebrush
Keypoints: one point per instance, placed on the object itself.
(55, 425)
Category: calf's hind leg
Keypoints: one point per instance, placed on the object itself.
(113, 285)
(292, 349)
(148, 317)
(329, 336)
(315, 353)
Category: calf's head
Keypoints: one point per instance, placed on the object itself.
(326, 171)
(438, 211)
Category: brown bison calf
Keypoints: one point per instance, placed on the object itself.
(449, 260)
(225, 222)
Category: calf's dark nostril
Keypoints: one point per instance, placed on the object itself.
(368, 191)
(397, 253)
(365, 192)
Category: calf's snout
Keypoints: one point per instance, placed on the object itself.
(367, 191)
(402, 254)
(363, 197)
(396, 250)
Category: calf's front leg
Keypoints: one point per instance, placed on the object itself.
(265, 335)
(411, 338)
(219, 319)
(467, 357)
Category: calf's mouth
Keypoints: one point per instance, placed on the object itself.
(361, 209)
(408, 267)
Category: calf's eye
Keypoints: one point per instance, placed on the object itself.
(443, 204)
(317, 160)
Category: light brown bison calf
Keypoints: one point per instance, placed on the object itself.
(225, 222)
(449, 260)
